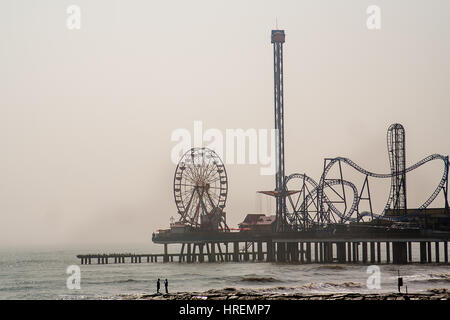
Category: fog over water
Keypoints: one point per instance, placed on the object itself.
(86, 116)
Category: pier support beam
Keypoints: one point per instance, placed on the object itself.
(293, 254)
(260, 251)
(355, 252)
(399, 253)
(166, 257)
(308, 252)
(302, 252)
(340, 252)
(321, 252)
(388, 252)
(379, 252)
(222, 259)
(253, 251)
(316, 252)
(410, 251)
(213, 252)
(188, 257)
(436, 249)
(445, 252)
(423, 252)
(227, 254)
(327, 252)
(349, 251)
(281, 251)
(270, 251)
(235, 251)
(429, 252)
(372, 252)
(193, 254)
(181, 256)
(364, 252)
(296, 251)
(201, 255)
(246, 254)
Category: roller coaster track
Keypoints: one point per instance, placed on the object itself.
(293, 216)
(302, 214)
(432, 157)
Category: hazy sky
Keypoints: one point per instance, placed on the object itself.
(86, 115)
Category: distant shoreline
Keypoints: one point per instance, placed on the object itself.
(242, 294)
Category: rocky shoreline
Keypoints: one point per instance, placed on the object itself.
(244, 294)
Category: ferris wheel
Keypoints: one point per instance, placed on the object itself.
(200, 189)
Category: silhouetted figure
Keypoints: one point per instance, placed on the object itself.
(399, 281)
(158, 286)
(166, 285)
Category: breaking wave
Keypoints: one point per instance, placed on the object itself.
(330, 267)
(259, 279)
(332, 285)
(431, 277)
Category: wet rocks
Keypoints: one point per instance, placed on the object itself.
(253, 294)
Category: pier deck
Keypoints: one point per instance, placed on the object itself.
(339, 246)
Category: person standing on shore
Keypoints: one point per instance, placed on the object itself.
(166, 285)
(158, 286)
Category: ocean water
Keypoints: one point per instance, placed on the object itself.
(41, 274)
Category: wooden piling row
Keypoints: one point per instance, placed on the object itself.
(291, 252)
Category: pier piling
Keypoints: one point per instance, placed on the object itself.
(325, 251)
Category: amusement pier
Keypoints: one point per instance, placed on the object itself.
(330, 220)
